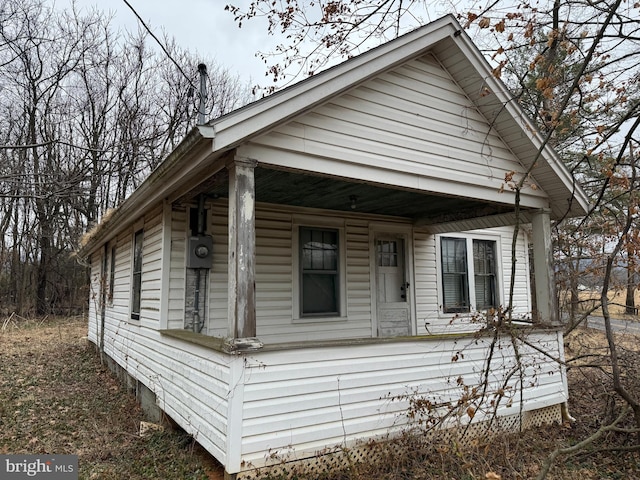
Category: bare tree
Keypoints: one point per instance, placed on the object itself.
(87, 113)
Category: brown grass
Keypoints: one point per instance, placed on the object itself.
(591, 298)
(55, 397)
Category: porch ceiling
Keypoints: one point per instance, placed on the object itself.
(295, 188)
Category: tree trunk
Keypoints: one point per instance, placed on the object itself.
(630, 303)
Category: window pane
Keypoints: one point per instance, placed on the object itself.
(455, 289)
(485, 295)
(454, 255)
(484, 265)
(455, 293)
(319, 262)
(319, 249)
(137, 275)
(387, 253)
(319, 294)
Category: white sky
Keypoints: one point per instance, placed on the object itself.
(201, 26)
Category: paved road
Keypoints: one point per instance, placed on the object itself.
(621, 326)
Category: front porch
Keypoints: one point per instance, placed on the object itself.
(255, 215)
(288, 402)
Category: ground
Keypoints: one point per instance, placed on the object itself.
(56, 397)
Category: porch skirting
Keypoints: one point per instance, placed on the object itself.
(325, 462)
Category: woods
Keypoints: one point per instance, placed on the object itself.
(86, 112)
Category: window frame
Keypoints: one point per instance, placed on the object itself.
(462, 276)
(469, 240)
(112, 274)
(296, 250)
(136, 275)
(492, 275)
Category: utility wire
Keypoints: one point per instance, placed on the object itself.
(161, 44)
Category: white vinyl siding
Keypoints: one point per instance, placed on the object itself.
(350, 390)
(118, 310)
(191, 383)
(276, 318)
(151, 267)
(219, 274)
(177, 268)
(414, 119)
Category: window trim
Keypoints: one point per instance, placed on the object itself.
(136, 277)
(499, 273)
(112, 274)
(324, 224)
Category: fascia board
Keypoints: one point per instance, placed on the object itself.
(547, 154)
(191, 152)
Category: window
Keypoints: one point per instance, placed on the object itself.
(387, 251)
(455, 290)
(319, 274)
(462, 275)
(112, 274)
(484, 270)
(136, 280)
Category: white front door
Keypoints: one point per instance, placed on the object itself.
(392, 300)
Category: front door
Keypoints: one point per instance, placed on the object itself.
(392, 288)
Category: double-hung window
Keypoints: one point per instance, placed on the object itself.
(319, 272)
(112, 274)
(484, 272)
(469, 279)
(136, 277)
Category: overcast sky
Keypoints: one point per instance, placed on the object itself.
(201, 26)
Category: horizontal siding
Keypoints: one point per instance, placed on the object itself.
(275, 278)
(177, 268)
(120, 307)
(151, 267)
(218, 291)
(191, 383)
(274, 275)
(413, 119)
(305, 400)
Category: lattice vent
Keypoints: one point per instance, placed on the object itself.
(340, 458)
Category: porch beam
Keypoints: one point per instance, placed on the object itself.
(473, 223)
(242, 251)
(543, 267)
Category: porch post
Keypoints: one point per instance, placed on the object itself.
(544, 269)
(242, 254)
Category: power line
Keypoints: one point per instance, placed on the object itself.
(166, 52)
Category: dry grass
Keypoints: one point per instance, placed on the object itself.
(591, 298)
(55, 397)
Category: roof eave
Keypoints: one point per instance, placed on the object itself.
(261, 116)
(576, 202)
(157, 186)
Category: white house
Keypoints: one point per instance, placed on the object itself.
(296, 266)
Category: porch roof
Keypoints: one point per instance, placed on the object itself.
(202, 152)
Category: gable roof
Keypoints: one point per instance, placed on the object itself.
(455, 50)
